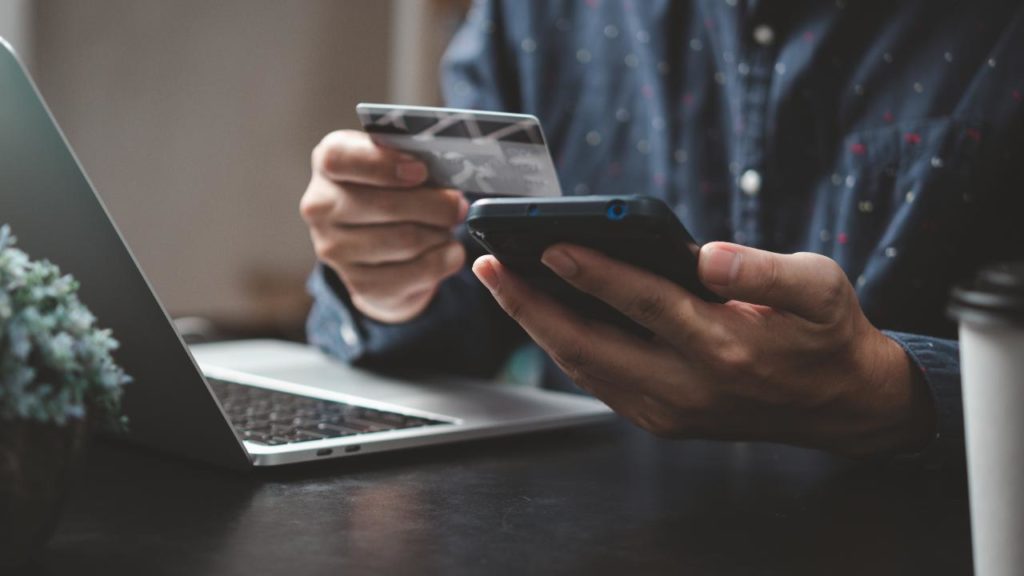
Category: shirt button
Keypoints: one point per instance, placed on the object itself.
(349, 335)
(750, 182)
(764, 35)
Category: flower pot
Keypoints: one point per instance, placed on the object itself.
(36, 463)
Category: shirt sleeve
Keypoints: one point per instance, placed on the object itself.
(939, 363)
(463, 331)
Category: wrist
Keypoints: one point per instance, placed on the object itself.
(900, 415)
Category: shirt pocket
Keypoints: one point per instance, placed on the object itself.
(895, 211)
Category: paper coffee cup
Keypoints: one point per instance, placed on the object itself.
(991, 315)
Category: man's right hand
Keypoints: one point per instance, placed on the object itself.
(389, 238)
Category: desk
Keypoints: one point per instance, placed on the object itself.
(601, 499)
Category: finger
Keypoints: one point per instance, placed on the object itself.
(650, 300)
(589, 353)
(377, 244)
(809, 285)
(352, 156)
(359, 205)
(389, 284)
(318, 200)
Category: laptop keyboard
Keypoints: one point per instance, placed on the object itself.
(273, 418)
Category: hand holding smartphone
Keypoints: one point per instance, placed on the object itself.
(638, 230)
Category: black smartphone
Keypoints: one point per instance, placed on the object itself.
(639, 230)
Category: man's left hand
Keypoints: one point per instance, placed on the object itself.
(790, 358)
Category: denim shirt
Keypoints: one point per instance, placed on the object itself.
(888, 136)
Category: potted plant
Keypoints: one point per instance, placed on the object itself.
(57, 381)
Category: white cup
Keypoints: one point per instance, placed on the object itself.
(991, 316)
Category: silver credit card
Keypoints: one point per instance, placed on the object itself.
(473, 151)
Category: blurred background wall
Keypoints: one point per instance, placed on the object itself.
(195, 120)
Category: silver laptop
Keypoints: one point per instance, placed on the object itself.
(238, 404)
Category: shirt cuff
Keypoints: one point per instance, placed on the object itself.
(939, 363)
(332, 325)
(338, 328)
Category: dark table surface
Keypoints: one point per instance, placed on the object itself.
(601, 499)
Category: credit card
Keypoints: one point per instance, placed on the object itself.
(470, 150)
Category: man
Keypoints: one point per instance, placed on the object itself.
(859, 159)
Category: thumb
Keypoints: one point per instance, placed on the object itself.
(809, 285)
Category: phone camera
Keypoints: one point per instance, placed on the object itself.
(617, 210)
(532, 210)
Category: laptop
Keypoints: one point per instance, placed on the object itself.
(237, 404)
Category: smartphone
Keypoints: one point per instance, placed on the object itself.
(638, 230)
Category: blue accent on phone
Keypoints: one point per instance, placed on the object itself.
(617, 210)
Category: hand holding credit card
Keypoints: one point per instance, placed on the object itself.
(492, 153)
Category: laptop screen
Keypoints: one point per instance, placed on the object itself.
(55, 214)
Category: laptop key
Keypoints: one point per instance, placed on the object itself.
(367, 426)
(279, 430)
(254, 436)
(253, 423)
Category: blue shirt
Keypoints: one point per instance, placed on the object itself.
(888, 136)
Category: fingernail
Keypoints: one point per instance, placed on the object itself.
(411, 171)
(720, 266)
(560, 262)
(486, 273)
